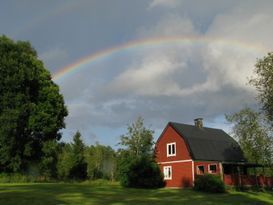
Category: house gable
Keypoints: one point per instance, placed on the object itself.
(177, 168)
(171, 137)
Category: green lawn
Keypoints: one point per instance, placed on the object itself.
(83, 193)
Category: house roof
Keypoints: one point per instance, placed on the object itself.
(209, 144)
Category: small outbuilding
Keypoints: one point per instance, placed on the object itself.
(186, 151)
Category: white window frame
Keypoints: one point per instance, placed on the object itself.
(209, 170)
(173, 152)
(197, 169)
(167, 171)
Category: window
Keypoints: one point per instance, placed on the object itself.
(200, 169)
(171, 149)
(167, 172)
(212, 168)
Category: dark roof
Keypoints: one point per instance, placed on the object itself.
(209, 144)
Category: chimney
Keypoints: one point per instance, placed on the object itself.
(198, 122)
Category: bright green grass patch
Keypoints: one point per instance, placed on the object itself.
(113, 194)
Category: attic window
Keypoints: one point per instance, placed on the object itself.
(171, 149)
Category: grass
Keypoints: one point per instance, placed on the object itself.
(113, 194)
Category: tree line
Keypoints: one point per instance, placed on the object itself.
(32, 113)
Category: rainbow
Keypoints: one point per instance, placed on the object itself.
(84, 62)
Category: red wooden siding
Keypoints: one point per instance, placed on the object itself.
(181, 163)
(181, 174)
(168, 136)
(206, 166)
(247, 180)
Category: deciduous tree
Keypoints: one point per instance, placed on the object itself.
(101, 162)
(136, 164)
(252, 135)
(263, 81)
(139, 139)
(32, 109)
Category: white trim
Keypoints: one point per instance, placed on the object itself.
(167, 169)
(178, 161)
(192, 171)
(221, 171)
(174, 151)
(198, 171)
(209, 171)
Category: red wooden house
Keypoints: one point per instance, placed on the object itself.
(186, 151)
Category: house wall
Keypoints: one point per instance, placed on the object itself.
(247, 180)
(206, 166)
(181, 164)
(169, 135)
(181, 174)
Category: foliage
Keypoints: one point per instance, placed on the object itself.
(65, 161)
(136, 165)
(32, 110)
(252, 135)
(141, 173)
(22, 178)
(49, 159)
(16, 178)
(124, 163)
(263, 81)
(209, 183)
(71, 162)
(139, 139)
(94, 194)
(101, 162)
(78, 170)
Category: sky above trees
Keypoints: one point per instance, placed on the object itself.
(190, 58)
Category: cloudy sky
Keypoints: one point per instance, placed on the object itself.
(164, 60)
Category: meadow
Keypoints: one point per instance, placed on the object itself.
(114, 194)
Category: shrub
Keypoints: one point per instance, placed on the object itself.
(20, 178)
(140, 173)
(209, 183)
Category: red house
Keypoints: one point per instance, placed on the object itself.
(186, 151)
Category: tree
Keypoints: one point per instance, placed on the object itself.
(139, 139)
(49, 159)
(140, 172)
(264, 84)
(101, 162)
(32, 110)
(252, 135)
(136, 163)
(71, 161)
(78, 170)
(65, 161)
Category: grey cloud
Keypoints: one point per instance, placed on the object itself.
(174, 82)
(136, 90)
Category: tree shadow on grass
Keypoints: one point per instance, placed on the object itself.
(40, 194)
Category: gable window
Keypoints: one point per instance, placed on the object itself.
(212, 168)
(171, 149)
(200, 169)
(167, 170)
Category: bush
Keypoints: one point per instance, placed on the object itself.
(209, 183)
(21, 178)
(140, 173)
